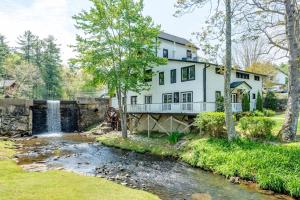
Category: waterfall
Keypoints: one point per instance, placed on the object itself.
(53, 116)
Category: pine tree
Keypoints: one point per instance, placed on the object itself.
(51, 64)
(246, 103)
(27, 43)
(259, 102)
(4, 51)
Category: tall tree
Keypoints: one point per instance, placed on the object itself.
(278, 22)
(219, 29)
(118, 47)
(4, 50)
(27, 42)
(289, 129)
(25, 74)
(51, 68)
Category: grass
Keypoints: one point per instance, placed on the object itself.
(15, 184)
(157, 144)
(279, 118)
(274, 167)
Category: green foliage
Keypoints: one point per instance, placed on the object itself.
(257, 127)
(257, 113)
(240, 115)
(270, 101)
(174, 137)
(212, 123)
(246, 103)
(119, 47)
(269, 113)
(259, 102)
(220, 104)
(273, 167)
(4, 51)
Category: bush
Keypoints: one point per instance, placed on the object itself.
(220, 104)
(240, 115)
(257, 127)
(174, 137)
(212, 123)
(270, 101)
(257, 113)
(246, 103)
(259, 102)
(269, 113)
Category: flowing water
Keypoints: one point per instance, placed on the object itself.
(53, 118)
(167, 178)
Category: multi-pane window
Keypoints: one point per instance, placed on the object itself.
(188, 73)
(189, 54)
(257, 78)
(161, 77)
(176, 97)
(148, 99)
(165, 53)
(173, 76)
(133, 100)
(242, 75)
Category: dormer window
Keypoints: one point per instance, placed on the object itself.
(189, 54)
(242, 75)
(166, 53)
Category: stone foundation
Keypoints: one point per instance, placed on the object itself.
(15, 117)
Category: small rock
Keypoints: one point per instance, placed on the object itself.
(235, 180)
(124, 183)
(201, 196)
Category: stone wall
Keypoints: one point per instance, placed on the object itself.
(91, 111)
(69, 116)
(39, 119)
(15, 117)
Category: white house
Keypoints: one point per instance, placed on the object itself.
(280, 81)
(187, 86)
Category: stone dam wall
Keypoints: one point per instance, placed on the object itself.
(15, 117)
(26, 117)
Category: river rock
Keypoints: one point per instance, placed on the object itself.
(201, 196)
(235, 180)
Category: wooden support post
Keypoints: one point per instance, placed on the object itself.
(171, 123)
(148, 126)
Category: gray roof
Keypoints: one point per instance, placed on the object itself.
(173, 38)
(238, 83)
(6, 83)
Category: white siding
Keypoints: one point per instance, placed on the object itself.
(176, 51)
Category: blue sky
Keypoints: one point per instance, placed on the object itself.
(44, 17)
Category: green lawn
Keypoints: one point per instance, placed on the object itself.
(279, 118)
(274, 167)
(15, 184)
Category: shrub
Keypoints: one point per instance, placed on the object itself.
(174, 137)
(220, 104)
(259, 102)
(269, 113)
(270, 101)
(257, 113)
(257, 127)
(212, 123)
(240, 115)
(246, 103)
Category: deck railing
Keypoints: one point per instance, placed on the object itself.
(186, 108)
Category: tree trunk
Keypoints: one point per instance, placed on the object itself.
(123, 111)
(289, 128)
(227, 91)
